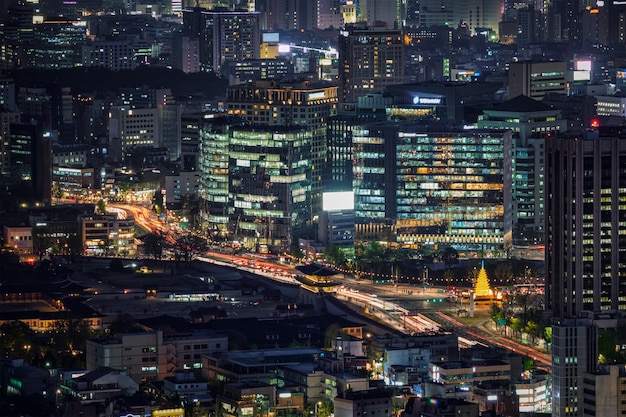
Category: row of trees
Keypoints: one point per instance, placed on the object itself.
(393, 263)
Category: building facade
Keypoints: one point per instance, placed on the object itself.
(370, 58)
(585, 252)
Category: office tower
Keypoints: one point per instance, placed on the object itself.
(57, 44)
(444, 187)
(536, 79)
(292, 14)
(269, 173)
(168, 114)
(386, 11)
(473, 14)
(585, 256)
(530, 121)
(224, 35)
(370, 59)
(329, 14)
(30, 162)
(290, 103)
(214, 139)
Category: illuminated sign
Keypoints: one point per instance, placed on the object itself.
(317, 95)
(427, 100)
(341, 200)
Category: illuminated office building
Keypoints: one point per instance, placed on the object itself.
(585, 258)
(370, 59)
(285, 103)
(443, 187)
(213, 141)
(269, 172)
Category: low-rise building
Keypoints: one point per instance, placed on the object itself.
(151, 356)
(364, 402)
(100, 386)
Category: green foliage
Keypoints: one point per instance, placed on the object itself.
(157, 202)
(335, 256)
(503, 272)
(610, 342)
(101, 207)
(153, 245)
(495, 312)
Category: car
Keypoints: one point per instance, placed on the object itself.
(144, 270)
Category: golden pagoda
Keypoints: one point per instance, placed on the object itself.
(482, 288)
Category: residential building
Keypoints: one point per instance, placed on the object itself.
(102, 385)
(224, 35)
(363, 402)
(370, 59)
(19, 379)
(152, 356)
(186, 386)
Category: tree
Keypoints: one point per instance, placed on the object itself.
(101, 207)
(335, 256)
(153, 245)
(16, 339)
(157, 202)
(449, 256)
(503, 272)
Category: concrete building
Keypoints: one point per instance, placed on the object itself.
(115, 55)
(604, 392)
(181, 189)
(133, 128)
(370, 59)
(152, 356)
(100, 386)
(108, 235)
(364, 402)
(18, 239)
(186, 386)
(460, 377)
(585, 200)
(536, 79)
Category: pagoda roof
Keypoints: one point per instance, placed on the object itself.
(316, 270)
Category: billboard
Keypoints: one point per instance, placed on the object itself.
(336, 201)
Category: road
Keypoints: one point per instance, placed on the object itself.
(407, 308)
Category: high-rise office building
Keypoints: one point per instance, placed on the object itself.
(444, 187)
(370, 59)
(585, 257)
(285, 103)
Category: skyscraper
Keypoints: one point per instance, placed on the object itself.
(585, 255)
(370, 58)
(224, 35)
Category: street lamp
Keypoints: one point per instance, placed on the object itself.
(317, 404)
